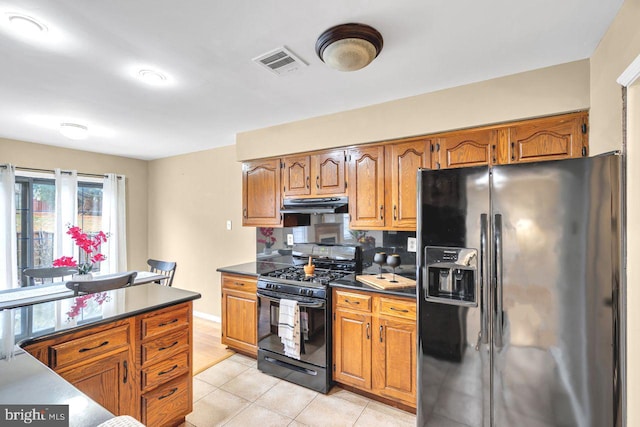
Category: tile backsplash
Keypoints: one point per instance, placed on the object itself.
(334, 228)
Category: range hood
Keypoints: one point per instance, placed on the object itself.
(317, 205)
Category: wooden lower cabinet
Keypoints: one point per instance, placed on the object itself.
(374, 344)
(140, 366)
(168, 404)
(394, 367)
(352, 344)
(165, 343)
(98, 361)
(107, 381)
(240, 313)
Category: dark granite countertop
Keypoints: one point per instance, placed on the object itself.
(259, 267)
(24, 380)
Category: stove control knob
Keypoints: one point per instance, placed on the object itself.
(301, 291)
(310, 292)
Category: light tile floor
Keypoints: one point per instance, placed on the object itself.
(235, 393)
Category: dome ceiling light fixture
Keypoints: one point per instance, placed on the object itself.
(74, 130)
(349, 47)
(152, 77)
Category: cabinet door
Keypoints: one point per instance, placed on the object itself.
(108, 381)
(328, 169)
(394, 359)
(405, 159)
(551, 138)
(366, 187)
(297, 176)
(463, 149)
(239, 317)
(352, 349)
(261, 193)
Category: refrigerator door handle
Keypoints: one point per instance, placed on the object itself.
(498, 282)
(483, 335)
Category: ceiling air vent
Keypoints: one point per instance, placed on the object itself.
(280, 61)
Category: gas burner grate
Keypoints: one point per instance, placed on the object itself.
(297, 274)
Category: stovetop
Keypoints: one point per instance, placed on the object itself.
(297, 274)
(332, 262)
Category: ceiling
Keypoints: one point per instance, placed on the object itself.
(84, 68)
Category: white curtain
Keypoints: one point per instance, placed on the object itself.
(66, 212)
(114, 223)
(8, 255)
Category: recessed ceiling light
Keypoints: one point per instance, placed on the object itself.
(152, 77)
(74, 130)
(26, 25)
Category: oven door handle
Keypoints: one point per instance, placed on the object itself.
(278, 297)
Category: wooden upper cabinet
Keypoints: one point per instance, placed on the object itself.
(297, 176)
(317, 174)
(551, 138)
(328, 170)
(464, 149)
(366, 187)
(261, 193)
(404, 160)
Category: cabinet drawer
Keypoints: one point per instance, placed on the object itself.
(398, 308)
(239, 283)
(88, 347)
(167, 404)
(353, 301)
(164, 346)
(165, 371)
(164, 322)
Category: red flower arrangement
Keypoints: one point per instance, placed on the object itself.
(89, 245)
(268, 239)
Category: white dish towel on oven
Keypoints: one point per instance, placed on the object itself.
(289, 327)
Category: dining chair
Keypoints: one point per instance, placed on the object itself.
(101, 285)
(41, 275)
(167, 268)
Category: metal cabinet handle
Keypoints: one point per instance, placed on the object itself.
(351, 302)
(513, 151)
(244, 212)
(368, 331)
(498, 282)
(395, 214)
(174, 367)
(126, 371)
(167, 323)
(381, 328)
(102, 344)
(169, 346)
(318, 181)
(381, 211)
(173, 390)
(308, 181)
(238, 283)
(401, 310)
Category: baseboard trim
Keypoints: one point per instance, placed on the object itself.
(207, 316)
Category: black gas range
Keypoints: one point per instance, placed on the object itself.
(311, 367)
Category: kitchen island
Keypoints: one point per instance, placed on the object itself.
(126, 324)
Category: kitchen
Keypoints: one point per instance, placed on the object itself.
(157, 188)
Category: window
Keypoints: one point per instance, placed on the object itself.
(35, 218)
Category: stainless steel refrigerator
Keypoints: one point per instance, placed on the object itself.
(519, 293)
